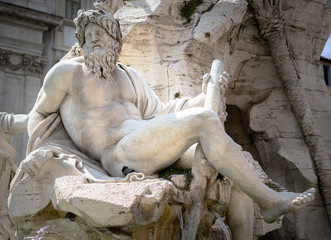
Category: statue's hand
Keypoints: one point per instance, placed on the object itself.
(224, 81)
(33, 162)
(69, 162)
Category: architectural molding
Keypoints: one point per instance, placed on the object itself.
(21, 46)
(27, 63)
(27, 14)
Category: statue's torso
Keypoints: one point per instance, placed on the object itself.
(97, 113)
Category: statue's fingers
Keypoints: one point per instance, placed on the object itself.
(225, 74)
(310, 196)
(79, 163)
(223, 80)
(71, 165)
(205, 78)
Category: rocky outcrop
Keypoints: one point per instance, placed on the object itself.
(270, 18)
(151, 208)
(283, 116)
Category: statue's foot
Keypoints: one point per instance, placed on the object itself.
(288, 202)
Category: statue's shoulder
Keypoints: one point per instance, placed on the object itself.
(67, 68)
(71, 64)
(133, 74)
(64, 73)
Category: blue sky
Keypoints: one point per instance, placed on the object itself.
(327, 49)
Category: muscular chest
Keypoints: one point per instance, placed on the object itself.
(99, 92)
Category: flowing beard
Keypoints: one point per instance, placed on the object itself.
(101, 61)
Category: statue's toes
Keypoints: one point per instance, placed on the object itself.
(305, 197)
(297, 201)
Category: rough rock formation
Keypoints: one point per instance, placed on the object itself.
(283, 122)
(151, 208)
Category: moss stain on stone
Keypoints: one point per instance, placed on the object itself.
(189, 8)
(166, 173)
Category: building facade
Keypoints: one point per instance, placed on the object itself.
(34, 35)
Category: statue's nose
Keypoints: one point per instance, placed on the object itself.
(94, 37)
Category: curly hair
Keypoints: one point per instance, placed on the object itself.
(101, 18)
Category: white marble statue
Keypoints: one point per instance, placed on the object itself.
(10, 125)
(112, 116)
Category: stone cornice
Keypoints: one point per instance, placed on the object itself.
(26, 63)
(27, 14)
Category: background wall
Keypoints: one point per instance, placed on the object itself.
(34, 35)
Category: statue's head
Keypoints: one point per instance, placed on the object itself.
(101, 18)
(102, 59)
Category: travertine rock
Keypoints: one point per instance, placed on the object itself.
(122, 210)
(219, 20)
(255, 86)
(275, 116)
(113, 204)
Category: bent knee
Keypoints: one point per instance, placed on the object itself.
(206, 116)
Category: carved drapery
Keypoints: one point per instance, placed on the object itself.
(271, 24)
(28, 63)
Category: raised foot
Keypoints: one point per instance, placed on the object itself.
(288, 202)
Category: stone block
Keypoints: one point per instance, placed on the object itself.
(112, 204)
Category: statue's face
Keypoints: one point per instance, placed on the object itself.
(94, 34)
(100, 51)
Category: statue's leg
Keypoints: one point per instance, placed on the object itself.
(240, 215)
(159, 142)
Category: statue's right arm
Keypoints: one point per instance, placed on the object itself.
(52, 93)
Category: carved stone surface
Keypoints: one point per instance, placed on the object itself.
(10, 124)
(33, 64)
(113, 204)
(121, 210)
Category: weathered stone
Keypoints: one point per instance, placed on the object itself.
(218, 21)
(112, 204)
(274, 116)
